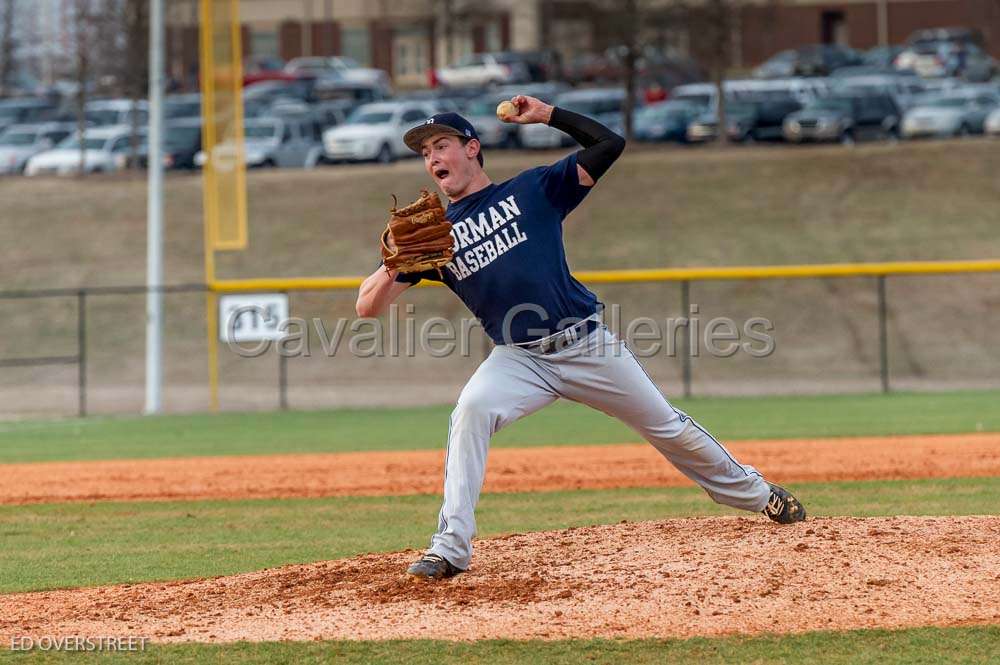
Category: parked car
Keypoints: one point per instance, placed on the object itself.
(181, 143)
(105, 149)
(443, 103)
(601, 104)
(942, 86)
(263, 94)
(481, 112)
(264, 76)
(700, 94)
(665, 121)
(881, 56)
(938, 52)
(811, 60)
(19, 143)
(321, 116)
(958, 113)
(485, 69)
(493, 133)
(862, 70)
(24, 110)
(803, 89)
(991, 126)
(264, 68)
(747, 119)
(263, 63)
(346, 69)
(956, 35)
(544, 65)
(844, 118)
(904, 88)
(260, 99)
(666, 68)
(583, 67)
(333, 88)
(182, 106)
(272, 142)
(759, 119)
(110, 112)
(308, 65)
(375, 132)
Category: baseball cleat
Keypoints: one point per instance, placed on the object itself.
(432, 567)
(782, 507)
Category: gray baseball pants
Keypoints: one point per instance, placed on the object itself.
(601, 372)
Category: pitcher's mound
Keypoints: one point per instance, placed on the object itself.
(672, 578)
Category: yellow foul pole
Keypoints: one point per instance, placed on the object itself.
(224, 170)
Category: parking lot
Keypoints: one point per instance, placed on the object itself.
(310, 112)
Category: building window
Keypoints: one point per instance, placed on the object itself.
(833, 28)
(411, 57)
(264, 42)
(461, 46)
(493, 39)
(356, 43)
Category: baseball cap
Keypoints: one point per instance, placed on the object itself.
(441, 123)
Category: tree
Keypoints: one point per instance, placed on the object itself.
(134, 68)
(717, 23)
(713, 21)
(630, 39)
(638, 28)
(640, 25)
(83, 19)
(8, 46)
(111, 54)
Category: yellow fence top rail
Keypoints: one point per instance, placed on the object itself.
(654, 275)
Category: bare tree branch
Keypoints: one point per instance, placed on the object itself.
(713, 22)
(82, 39)
(7, 47)
(630, 35)
(135, 72)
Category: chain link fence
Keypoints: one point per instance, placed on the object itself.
(80, 351)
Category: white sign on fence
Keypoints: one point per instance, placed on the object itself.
(252, 317)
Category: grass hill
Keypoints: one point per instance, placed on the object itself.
(657, 207)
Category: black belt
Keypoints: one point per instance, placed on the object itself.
(562, 339)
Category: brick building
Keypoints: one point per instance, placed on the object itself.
(403, 37)
(861, 24)
(406, 37)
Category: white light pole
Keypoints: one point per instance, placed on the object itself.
(154, 214)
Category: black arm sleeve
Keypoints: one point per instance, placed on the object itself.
(601, 146)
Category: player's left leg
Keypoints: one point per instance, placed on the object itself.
(604, 374)
(508, 385)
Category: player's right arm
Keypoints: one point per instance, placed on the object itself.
(378, 291)
(601, 146)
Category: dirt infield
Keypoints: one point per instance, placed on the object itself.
(671, 578)
(509, 469)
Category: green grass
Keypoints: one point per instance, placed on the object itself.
(423, 428)
(65, 545)
(927, 200)
(915, 646)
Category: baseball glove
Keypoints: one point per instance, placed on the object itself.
(418, 237)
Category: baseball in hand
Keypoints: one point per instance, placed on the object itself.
(506, 111)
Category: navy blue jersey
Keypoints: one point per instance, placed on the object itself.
(510, 264)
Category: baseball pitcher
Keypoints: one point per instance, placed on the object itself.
(502, 254)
